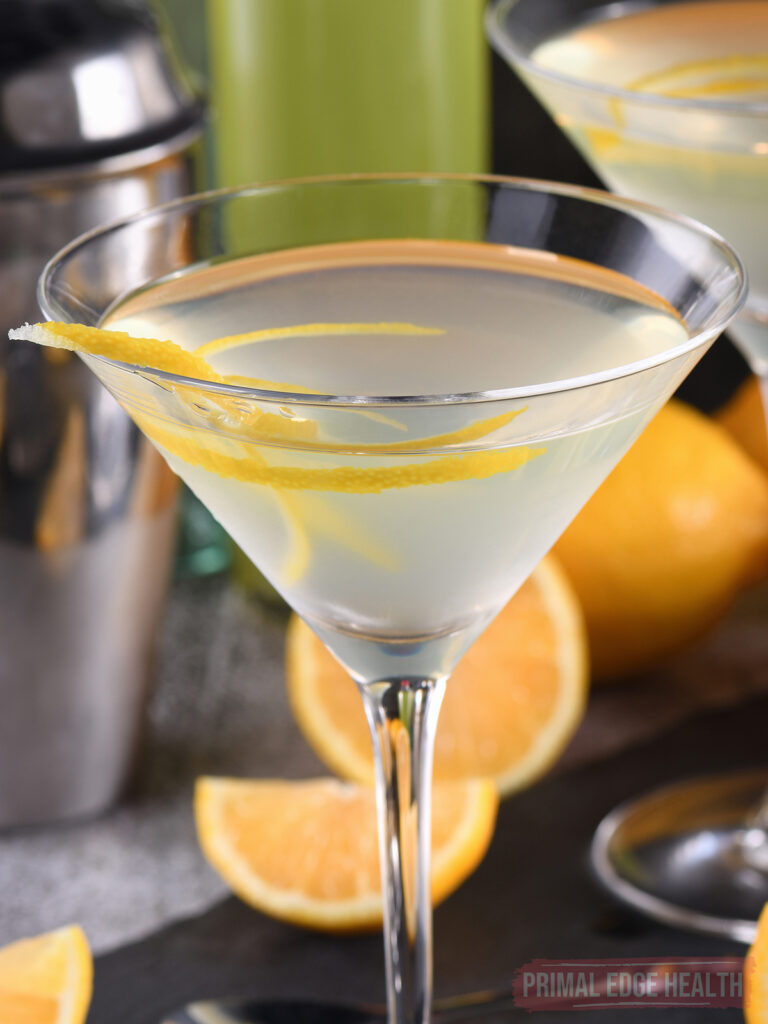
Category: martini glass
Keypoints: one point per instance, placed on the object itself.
(669, 103)
(420, 382)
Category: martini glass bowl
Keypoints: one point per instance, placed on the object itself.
(668, 101)
(398, 524)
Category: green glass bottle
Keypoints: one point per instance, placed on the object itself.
(302, 87)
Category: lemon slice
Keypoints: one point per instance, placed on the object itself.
(308, 852)
(47, 979)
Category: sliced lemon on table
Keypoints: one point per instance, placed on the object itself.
(307, 852)
(47, 979)
(756, 975)
(510, 707)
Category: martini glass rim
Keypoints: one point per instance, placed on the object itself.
(53, 311)
(509, 48)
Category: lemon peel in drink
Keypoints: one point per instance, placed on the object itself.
(236, 439)
(728, 75)
(733, 76)
(319, 330)
(216, 455)
(253, 468)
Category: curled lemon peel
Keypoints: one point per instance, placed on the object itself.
(662, 83)
(346, 532)
(299, 551)
(736, 66)
(235, 457)
(148, 353)
(250, 467)
(223, 410)
(310, 331)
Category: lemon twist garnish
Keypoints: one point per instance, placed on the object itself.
(662, 83)
(223, 411)
(311, 331)
(203, 447)
(148, 353)
(347, 532)
(168, 357)
(472, 432)
(254, 469)
(736, 70)
(257, 425)
(299, 554)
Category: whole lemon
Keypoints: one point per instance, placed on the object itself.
(665, 544)
(744, 419)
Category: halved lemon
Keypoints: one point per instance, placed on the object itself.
(47, 979)
(667, 542)
(510, 707)
(307, 852)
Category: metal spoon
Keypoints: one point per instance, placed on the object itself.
(268, 1011)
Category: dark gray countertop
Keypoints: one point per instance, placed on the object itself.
(219, 708)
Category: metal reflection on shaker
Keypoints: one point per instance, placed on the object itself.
(95, 124)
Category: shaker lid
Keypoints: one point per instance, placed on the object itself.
(82, 80)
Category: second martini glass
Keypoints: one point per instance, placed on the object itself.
(668, 100)
(414, 384)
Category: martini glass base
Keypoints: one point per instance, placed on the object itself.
(452, 1010)
(693, 855)
(254, 1011)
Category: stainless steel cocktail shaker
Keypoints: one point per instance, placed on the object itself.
(95, 123)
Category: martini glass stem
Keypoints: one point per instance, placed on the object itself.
(402, 715)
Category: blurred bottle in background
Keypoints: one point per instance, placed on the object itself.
(335, 86)
(96, 124)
